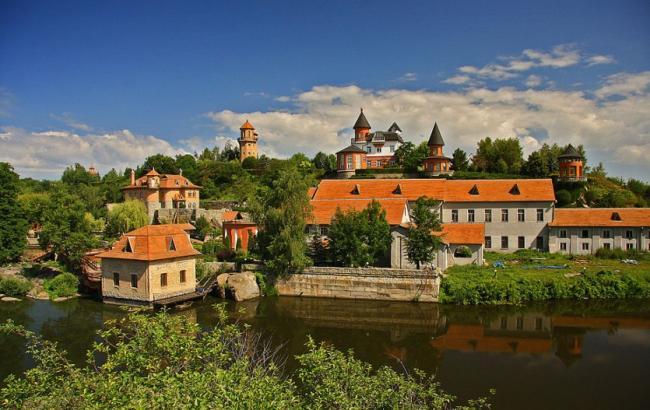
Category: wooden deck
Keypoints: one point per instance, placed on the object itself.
(202, 290)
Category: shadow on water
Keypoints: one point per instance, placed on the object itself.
(562, 355)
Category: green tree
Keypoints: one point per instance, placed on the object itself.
(563, 197)
(13, 224)
(112, 184)
(77, 174)
(499, 155)
(203, 227)
(421, 241)
(34, 205)
(188, 165)
(460, 161)
(280, 213)
(325, 162)
(536, 166)
(411, 157)
(163, 164)
(126, 217)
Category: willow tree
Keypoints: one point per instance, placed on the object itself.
(421, 241)
(126, 217)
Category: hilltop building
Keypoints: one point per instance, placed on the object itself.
(436, 163)
(247, 141)
(368, 150)
(149, 264)
(160, 191)
(571, 165)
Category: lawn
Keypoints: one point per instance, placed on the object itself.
(530, 275)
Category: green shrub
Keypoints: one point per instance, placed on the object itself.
(619, 253)
(62, 285)
(13, 286)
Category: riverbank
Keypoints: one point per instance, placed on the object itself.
(526, 277)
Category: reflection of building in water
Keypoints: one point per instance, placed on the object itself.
(530, 333)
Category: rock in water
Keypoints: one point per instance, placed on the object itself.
(10, 299)
(243, 286)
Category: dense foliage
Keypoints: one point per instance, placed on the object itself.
(167, 361)
(62, 285)
(359, 238)
(13, 225)
(14, 286)
(421, 240)
(126, 217)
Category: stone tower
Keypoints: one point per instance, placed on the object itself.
(247, 141)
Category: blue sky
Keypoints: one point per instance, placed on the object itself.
(82, 81)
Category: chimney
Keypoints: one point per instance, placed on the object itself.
(180, 171)
(132, 177)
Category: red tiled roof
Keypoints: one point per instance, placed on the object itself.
(152, 242)
(167, 181)
(231, 215)
(483, 190)
(311, 191)
(463, 234)
(323, 210)
(247, 126)
(629, 217)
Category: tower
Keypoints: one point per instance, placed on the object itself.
(247, 141)
(571, 165)
(436, 163)
(361, 128)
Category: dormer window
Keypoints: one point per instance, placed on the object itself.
(128, 247)
(515, 190)
(171, 246)
(356, 190)
(616, 216)
(474, 190)
(398, 190)
(176, 182)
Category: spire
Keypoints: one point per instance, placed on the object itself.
(436, 137)
(362, 121)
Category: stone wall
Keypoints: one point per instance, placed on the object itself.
(363, 283)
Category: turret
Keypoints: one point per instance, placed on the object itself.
(436, 163)
(571, 165)
(361, 128)
(247, 141)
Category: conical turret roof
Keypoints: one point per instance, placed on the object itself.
(362, 121)
(247, 126)
(436, 137)
(570, 152)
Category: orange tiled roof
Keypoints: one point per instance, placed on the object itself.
(247, 126)
(602, 217)
(167, 181)
(152, 242)
(463, 234)
(323, 210)
(231, 215)
(311, 191)
(482, 190)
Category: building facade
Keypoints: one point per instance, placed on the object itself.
(237, 227)
(247, 141)
(159, 191)
(149, 264)
(584, 231)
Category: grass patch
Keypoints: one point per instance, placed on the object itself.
(62, 285)
(525, 278)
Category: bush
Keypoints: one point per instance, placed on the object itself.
(62, 285)
(619, 253)
(13, 286)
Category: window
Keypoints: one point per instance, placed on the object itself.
(584, 233)
(454, 215)
(540, 215)
(324, 230)
(520, 323)
(562, 233)
(607, 246)
(163, 279)
(183, 276)
(538, 323)
(628, 234)
(607, 234)
(504, 215)
(563, 246)
(521, 242)
(116, 279)
(629, 246)
(369, 164)
(488, 215)
(378, 164)
(134, 281)
(521, 215)
(585, 246)
(378, 149)
(348, 162)
(392, 148)
(504, 242)
(470, 215)
(369, 149)
(488, 242)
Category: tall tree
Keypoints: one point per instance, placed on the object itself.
(13, 225)
(499, 155)
(280, 212)
(126, 217)
(460, 161)
(77, 174)
(421, 241)
(411, 157)
(112, 184)
(163, 164)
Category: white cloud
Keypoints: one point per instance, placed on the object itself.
(322, 117)
(68, 120)
(625, 84)
(408, 77)
(458, 79)
(46, 154)
(533, 81)
(600, 59)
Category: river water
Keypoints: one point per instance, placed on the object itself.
(551, 355)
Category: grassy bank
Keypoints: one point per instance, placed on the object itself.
(527, 277)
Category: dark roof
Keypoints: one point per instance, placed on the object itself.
(436, 137)
(351, 148)
(570, 152)
(362, 121)
(387, 135)
(394, 128)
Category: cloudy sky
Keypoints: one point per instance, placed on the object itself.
(109, 83)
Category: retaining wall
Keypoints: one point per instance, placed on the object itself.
(363, 283)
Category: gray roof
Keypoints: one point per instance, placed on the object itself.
(436, 137)
(362, 121)
(570, 152)
(387, 136)
(394, 128)
(351, 148)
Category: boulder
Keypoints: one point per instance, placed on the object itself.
(221, 284)
(10, 299)
(243, 286)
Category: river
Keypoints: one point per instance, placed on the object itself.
(552, 355)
